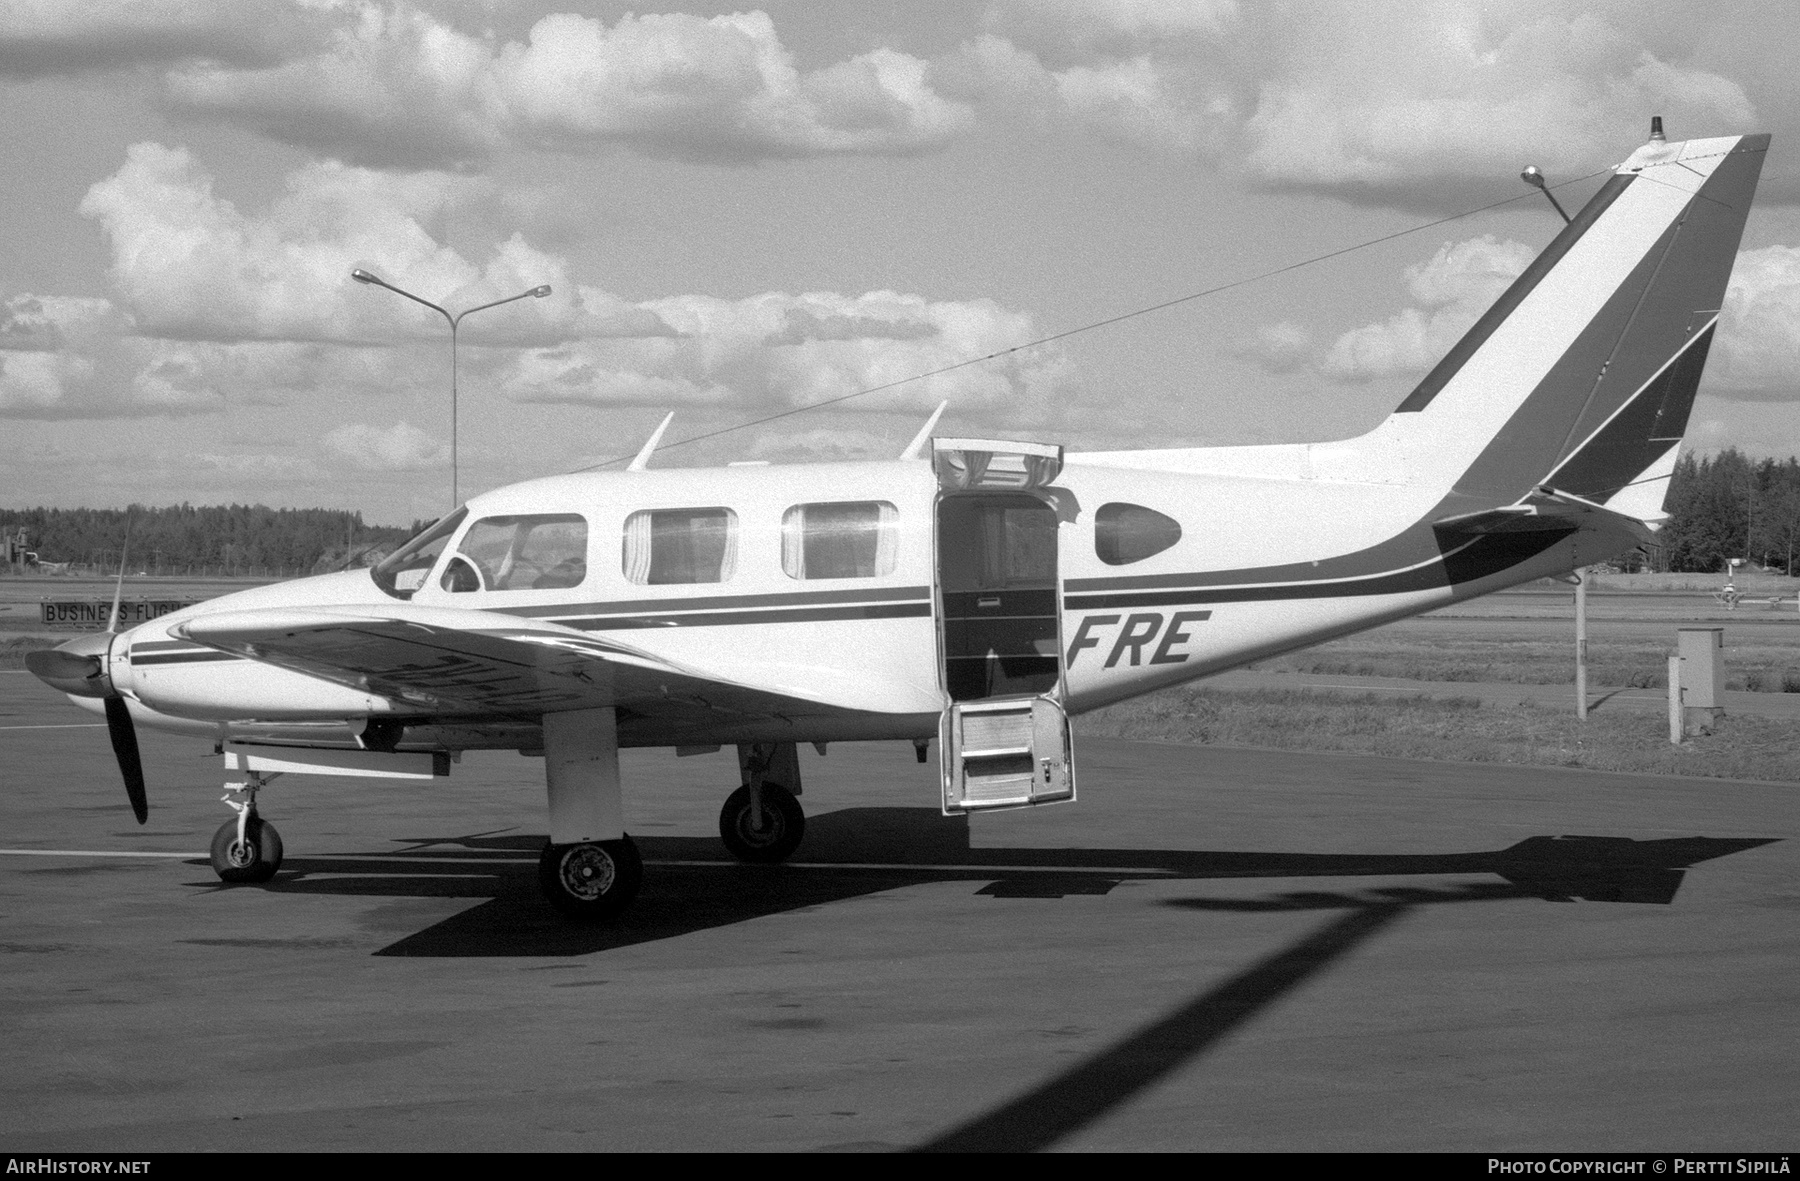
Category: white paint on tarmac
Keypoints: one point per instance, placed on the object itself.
(90, 853)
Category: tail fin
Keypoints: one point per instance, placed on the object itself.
(1581, 377)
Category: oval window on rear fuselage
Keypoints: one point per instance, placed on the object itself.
(1127, 533)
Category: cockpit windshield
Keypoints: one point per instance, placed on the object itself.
(403, 571)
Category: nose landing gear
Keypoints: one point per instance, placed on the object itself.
(761, 821)
(247, 849)
(763, 830)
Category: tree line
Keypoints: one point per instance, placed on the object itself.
(184, 538)
(1731, 506)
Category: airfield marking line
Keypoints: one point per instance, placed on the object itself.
(382, 874)
(427, 858)
(421, 858)
(700, 864)
(89, 853)
(931, 865)
(61, 726)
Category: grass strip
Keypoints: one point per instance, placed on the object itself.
(1768, 667)
(1461, 729)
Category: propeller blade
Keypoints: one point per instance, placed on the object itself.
(124, 743)
(112, 621)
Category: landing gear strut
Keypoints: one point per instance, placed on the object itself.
(247, 849)
(591, 879)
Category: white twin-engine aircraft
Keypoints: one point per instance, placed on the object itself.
(974, 591)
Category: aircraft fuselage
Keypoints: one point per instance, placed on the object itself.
(1247, 567)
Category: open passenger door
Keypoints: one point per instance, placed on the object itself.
(1004, 738)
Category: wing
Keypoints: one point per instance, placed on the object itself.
(447, 662)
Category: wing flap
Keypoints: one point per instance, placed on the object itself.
(455, 663)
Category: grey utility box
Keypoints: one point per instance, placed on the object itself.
(1702, 678)
(1702, 666)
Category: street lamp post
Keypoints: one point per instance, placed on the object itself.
(538, 292)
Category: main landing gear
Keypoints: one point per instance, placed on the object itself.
(761, 821)
(591, 868)
(247, 849)
(591, 879)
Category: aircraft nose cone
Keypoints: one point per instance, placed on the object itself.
(77, 667)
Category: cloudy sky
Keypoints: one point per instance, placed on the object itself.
(744, 212)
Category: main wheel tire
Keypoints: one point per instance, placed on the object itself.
(255, 860)
(591, 880)
(783, 825)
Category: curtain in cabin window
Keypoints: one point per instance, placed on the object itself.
(852, 539)
(686, 545)
(637, 548)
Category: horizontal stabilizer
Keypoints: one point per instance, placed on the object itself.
(1547, 510)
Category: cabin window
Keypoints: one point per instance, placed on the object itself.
(405, 570)
(680, 545)
(1127, 533)
(855, 539)
(541, 552)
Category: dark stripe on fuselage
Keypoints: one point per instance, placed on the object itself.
(719, 602)
(199, 656)
(730, 618)
(1481, 558)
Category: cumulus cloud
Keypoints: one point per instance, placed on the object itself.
(1757, 354)
(1418, 106)
(1450, 291)
(215, 303)
(67, 357)
(400, 447)
(1278, 348)
(1755, 357)
(39, 37)
(189, 264)
(395, 85)
(778, 351)
(1395, 104)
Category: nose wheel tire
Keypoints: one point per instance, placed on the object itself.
(782, 825)
(593, 879)
(254, 859)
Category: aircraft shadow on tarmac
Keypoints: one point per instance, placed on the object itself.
(1557, 869)
(691, 884)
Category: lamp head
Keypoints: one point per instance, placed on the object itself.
(1532, 176)
(362, 276)
(540, 292)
